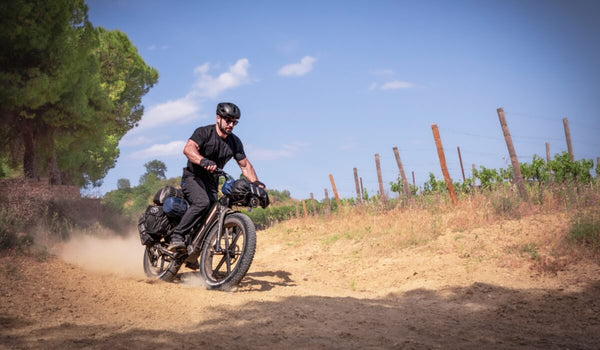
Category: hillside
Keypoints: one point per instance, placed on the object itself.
(465, 277)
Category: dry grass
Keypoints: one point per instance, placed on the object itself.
(495, 226)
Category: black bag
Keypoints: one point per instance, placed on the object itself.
(153, 224)
(144, 236)
(165, 192)
(174, 208)
(243, 192)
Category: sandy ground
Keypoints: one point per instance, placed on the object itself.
(460, 291)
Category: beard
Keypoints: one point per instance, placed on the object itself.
(224, 130)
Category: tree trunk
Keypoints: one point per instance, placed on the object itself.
(29, 151)
(53, 170)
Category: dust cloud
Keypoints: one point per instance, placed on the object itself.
(108, 254)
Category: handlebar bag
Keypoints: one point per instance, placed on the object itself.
(242, 191)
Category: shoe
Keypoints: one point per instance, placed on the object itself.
(176, 243)
(194, 265)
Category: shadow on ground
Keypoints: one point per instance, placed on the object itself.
(479, 316)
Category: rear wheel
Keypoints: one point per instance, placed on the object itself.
(225, 268)
(158, 265)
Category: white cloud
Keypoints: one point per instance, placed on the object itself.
(187, 108)
(153, 47)
(394, 85)
(174, 111)
(170, 149)
(128, 140)
(211, 87)
(286, 151)
(298, 69)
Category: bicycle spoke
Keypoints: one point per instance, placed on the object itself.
(236, 237)
(227, 251)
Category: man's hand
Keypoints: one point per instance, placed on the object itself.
(259, 184)
(208, 164)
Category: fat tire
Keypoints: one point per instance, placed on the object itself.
(167, 275)
(243, 222)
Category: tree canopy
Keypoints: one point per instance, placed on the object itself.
(68, 92)
(156, 168)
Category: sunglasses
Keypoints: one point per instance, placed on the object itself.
(230, 120)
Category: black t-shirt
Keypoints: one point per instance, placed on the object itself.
(213, 147)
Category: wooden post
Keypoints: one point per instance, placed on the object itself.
(413, 176)
(358, 196)
(335, 192)
(327, 204)
(461, 165)
(440, 150)
(312, 203)
(380, 179)
(304, 208)
(568, 137)
(513, 155)
(401, 168)
(548, 161)
(362, 190)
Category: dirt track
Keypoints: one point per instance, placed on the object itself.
(305, 296)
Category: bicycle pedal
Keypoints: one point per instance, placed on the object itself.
(192, 265)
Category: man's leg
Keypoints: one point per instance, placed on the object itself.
(196, 194)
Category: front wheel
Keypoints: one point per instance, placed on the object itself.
(225, 268)
(158, 265)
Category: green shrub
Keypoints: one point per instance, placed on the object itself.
(506, 203)
(585, 230)
(8, 239)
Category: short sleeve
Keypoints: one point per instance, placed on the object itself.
(199, 136)
(239, 153)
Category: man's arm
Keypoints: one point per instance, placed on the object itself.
(191, 152)
(248, 170)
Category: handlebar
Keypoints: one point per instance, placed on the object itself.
(221, 172)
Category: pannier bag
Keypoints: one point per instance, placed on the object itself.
(175, 207)
(153, 224)
(242, 191)
(166, 192)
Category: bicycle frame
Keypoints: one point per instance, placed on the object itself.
(216, 216)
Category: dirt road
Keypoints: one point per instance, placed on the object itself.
(304, 294)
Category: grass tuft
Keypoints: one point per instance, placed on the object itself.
(585, 230)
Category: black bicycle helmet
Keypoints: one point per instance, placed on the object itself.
(228, 110)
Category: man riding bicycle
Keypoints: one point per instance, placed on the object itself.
(210, 147)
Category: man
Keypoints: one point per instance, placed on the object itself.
(209, 148)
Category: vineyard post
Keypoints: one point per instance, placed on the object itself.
(461, 164)
(362, 190)
(380, 179)
(304, 208)
(327, 203)
(440, 150)
(312, 203)
(413, 176)
(548, 161)
(401, 168)
(568, 137)
(358, 196)
(513, 155)
(335, 192)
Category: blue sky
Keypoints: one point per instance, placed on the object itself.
(324, 85)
